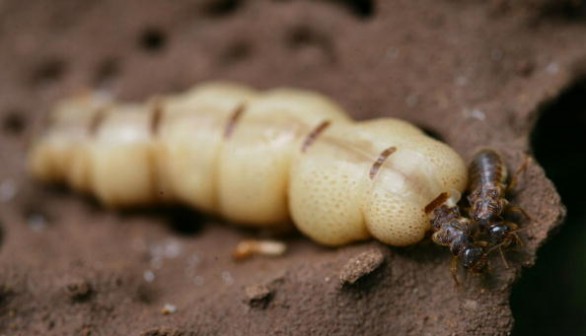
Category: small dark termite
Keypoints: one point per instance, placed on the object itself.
(489, 207)
(453, 230)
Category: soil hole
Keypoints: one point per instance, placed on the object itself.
(302, 36)
(14, 122)
(360, 8)
(571, 10)
(6, 294)
(550, 298)
(184, 221)
(48, 72)
(219, 8)
(152, 40)
(304, 39)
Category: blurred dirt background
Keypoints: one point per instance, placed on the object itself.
(505, 74)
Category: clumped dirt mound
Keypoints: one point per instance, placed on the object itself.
(473, 74)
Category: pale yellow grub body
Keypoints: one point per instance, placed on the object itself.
(261, 159)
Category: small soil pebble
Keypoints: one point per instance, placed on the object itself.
(164, 332)
(79, 290)
(361, 266)
(258, 296)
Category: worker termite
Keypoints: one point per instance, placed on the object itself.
(455, 231)
(489, 208)
(258, 159)
(251, 247)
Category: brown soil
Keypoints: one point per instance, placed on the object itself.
(473, 73)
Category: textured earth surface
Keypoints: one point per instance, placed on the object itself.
(472, 73)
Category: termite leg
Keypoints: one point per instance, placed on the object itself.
(515, 177)
(454, 270)
(512, 237)
(500, 248)
(516, 238)
(517, 211)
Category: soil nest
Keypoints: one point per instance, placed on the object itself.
(470, 73)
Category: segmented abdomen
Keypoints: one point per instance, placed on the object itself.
(258, 159)
(487, 168)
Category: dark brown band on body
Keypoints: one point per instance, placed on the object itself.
(157, 114)
(314, 134)
(234, 118)
(487, 167)
(439, 200)
(97, 120)
(380, 160)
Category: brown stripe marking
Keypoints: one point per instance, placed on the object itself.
(97, 120)
(314, 134)
(439, 200)
(157, 114)
(234, 118)
(381, 159)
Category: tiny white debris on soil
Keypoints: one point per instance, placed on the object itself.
(193, 262)
(172, 249)
(475, 113)
(412, 100)
(198, 280)
(168, 309)
(37, 222)
(7, 190)
(227, 278)
(461, 80)
(168, 249)
(149, 276)
(552, 68)
(470, 305)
